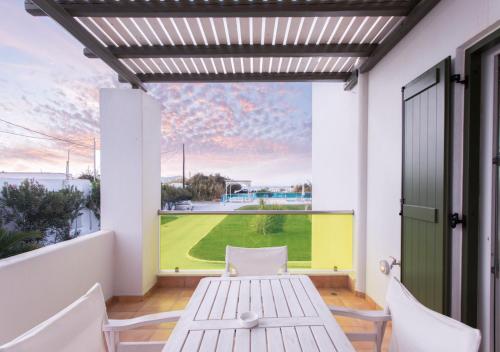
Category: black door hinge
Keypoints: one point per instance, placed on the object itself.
(456, 220)
(456, 78)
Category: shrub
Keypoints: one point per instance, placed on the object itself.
(267, 223)
(12, 243)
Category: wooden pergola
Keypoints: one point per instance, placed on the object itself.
(147, 41)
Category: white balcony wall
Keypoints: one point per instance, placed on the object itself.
(37, 284)
(130, 191)
(334, 146)
(448, 26)
(336, 160)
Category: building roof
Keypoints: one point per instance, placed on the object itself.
(235, 40)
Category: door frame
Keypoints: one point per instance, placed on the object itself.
(472, 176)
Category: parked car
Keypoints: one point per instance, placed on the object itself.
(183, 205)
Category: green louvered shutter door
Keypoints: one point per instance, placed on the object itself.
(425, 254)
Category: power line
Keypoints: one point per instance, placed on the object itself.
(35, 137)
(24, 135)
(47, 135)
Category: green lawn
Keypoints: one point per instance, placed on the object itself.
(179, 234)
(240, 230)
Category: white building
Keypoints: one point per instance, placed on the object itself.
(86, 222)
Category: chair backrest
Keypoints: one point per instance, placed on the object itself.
(256, 261)
(76, 328)
(416, 328)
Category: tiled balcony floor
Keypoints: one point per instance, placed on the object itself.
(165, 299)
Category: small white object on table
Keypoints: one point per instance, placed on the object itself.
(292, 316)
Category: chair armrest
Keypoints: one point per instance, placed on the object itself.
(150, 319)
(370, 315)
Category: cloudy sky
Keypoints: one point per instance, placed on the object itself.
(257, 131)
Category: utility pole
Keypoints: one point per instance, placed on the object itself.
(67, 167)
(95, 172)
(183, 168)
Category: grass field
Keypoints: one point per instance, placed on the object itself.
(241, 231)
(192, 242)
(198, 241)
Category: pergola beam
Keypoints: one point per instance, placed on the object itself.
(242, 77)
(216, 51)
(419, 11)
(58, 14)
(244, 8)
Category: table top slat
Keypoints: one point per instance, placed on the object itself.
(244, 297)
(293, 317)
(209, 341)
(304, 300)
(181, 330)
(208, 301)
(232, 301)
(274, 340)
(242, 340)
(220, 301)
(268, 299)
(291, 299)
(330, 324)
(290, 340)
(279, 299)
(255, 297)
(323, 339)
(226, 341)
(193, 341)
(258, 340)
(306, 339)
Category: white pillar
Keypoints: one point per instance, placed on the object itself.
(362, 170)
(130, 190)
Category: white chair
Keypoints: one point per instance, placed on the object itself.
(256, 261)
(84, 326)
(415, 328)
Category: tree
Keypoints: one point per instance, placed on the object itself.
(298, 188)
(63, 207)
(170, 195)
(93, 201)
(205, 187)
(22, 206)
(31, 208)
(12, 243)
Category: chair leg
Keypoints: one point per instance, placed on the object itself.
(379, 330)
(112, 339)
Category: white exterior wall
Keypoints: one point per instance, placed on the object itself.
(334, 146)
(449, 25)
(37, 284)
(336, 161)
(130, 191)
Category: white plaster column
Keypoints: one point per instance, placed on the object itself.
(130, 185)
(361, 177)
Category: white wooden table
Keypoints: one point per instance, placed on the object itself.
(293, 317)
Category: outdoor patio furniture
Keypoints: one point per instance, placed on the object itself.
(292, 317)
(83, 326)
(415, 328)
(256, 261)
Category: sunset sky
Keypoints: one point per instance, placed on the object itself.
(256, 131)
